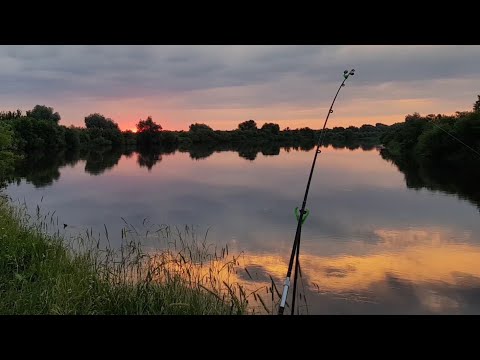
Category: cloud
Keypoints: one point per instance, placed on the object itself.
(292, 78)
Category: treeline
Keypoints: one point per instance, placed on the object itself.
(448, 140)
(248, 133)
(39, 129)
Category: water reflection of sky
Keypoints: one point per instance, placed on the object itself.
(370, 244)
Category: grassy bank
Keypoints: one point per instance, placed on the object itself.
(40, 274)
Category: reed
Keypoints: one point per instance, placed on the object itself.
(43, 273)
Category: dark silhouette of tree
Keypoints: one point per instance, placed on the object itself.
(247, 125)
(129, 138)
(199, 127)
(148, 132)
(198, 152)
(101, 122)
(271, 128)
(103, 131)
(270, 149)
(8, 115)
(148, 126)
(476, 106)
(459, 180)
(42, 112)
(40, 168)
(168, 140)
(201, 133)
(72, 137)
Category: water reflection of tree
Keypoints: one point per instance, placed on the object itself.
(248, 153)
(149, 156)
(200, 152)
(460, 181)
(102, 159)
(148, 159)
(42, 169)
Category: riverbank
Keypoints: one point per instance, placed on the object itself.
(40, 274)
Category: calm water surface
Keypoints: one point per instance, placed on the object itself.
(370, 245)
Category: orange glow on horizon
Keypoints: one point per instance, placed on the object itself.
(356, 113)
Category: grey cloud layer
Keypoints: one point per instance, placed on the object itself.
(252, 75)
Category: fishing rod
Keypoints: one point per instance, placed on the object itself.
(303, 214)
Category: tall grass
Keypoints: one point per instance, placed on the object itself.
(41, 273)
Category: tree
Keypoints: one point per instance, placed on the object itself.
(8, 115)
(5, 137)
(476, 106)
(42, 112)
(103, 131)
(6, 155)
(129, 137)
(199, 127)
(271, 128)
(413, 117)
(33, 134)
(247, 125)
(367, 127)
(202, 133)
(148, 132)
(148, 126)
(101, 122)
(72, 137)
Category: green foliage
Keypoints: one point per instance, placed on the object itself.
(42, 112)
(32, 134)
(6, 154)
(72, 137)
(101, 137)
(405, 135)
(103, 131)
(6, 137)
(436, 139)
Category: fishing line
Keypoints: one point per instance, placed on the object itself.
(475, 151)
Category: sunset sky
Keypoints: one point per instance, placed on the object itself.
(224, 85)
